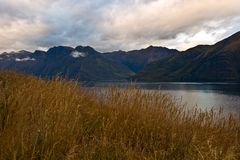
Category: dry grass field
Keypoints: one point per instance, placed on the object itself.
(57, 119)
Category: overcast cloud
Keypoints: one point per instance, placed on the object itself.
(115, 24)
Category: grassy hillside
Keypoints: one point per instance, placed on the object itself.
(57, 119)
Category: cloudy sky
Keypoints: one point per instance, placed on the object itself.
(115, 24)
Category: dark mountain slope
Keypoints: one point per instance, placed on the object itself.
(82, 63)
(219, 62)
(136, 60)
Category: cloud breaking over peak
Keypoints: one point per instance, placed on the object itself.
(114, 24)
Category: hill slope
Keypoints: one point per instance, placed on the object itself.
(219, 62)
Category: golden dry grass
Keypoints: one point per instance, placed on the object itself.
(57, 119)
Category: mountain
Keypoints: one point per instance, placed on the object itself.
(136, 60)
(213, 63)
(204, 63)
(83, 62)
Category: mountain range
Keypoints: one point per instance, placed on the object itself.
(219, 63)
(204, 63)
(83, 63)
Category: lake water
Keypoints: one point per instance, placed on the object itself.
(202, 95)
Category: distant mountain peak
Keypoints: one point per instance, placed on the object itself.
(154, 47)
(17, 52)
(39, 52)
(86, 49)
(157, 48)
(151, 46)
(23, 51)
(60, 47)
(56, 50)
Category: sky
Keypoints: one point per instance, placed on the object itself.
(109, 25)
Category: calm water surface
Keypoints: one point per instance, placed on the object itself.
(202, 95)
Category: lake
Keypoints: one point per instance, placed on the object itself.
(202, 95)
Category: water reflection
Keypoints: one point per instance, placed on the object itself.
(202, 95)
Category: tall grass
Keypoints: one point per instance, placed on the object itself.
(57, 119)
